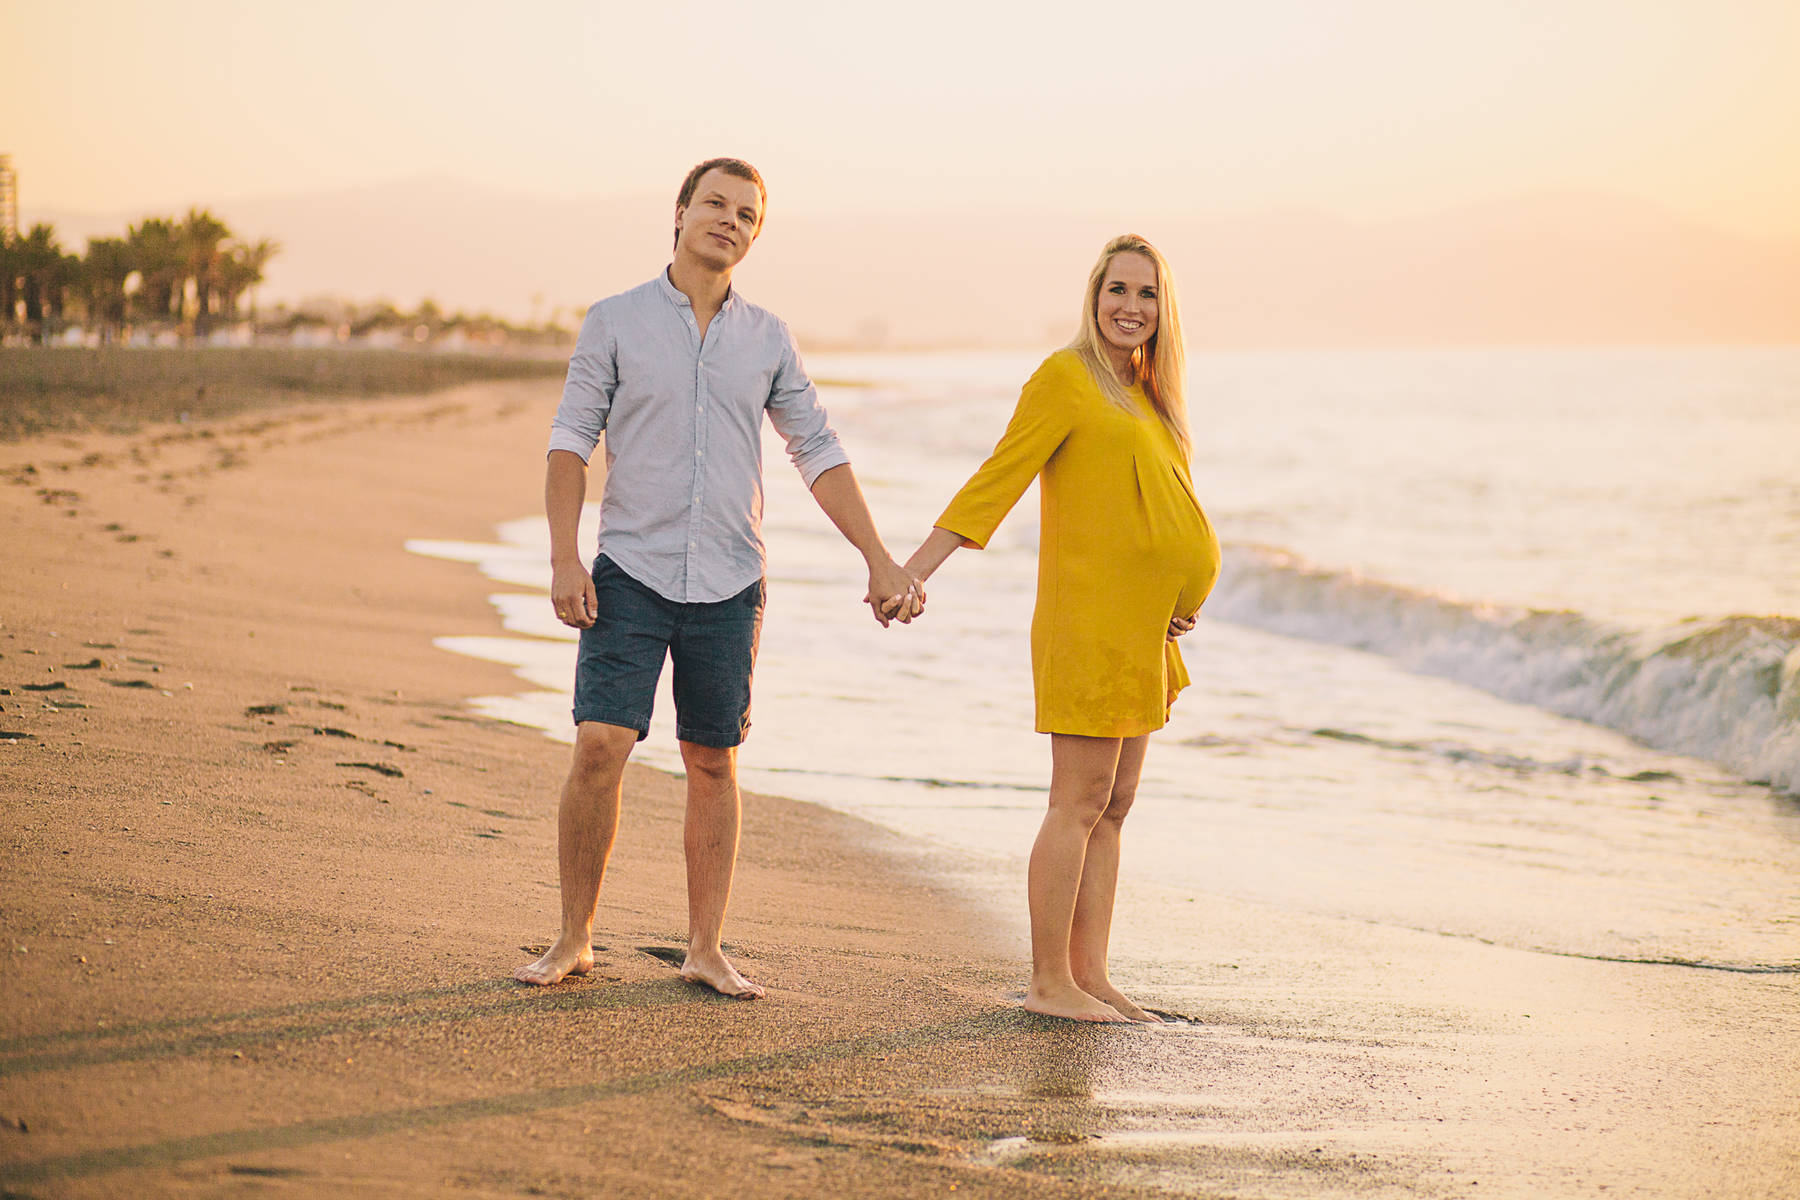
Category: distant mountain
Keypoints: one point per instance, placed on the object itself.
(1561, 268)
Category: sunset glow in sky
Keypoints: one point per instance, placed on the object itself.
(1358, 107)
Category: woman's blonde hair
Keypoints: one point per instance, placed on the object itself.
(1160, 363)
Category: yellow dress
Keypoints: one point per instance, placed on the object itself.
(1123, 547)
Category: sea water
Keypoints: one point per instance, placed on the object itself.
(1498, 650)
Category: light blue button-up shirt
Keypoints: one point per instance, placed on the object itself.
(682, 509)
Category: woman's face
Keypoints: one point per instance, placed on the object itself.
(1127, 307)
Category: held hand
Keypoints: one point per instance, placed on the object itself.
(1180, 625)
(912, 601)
(572, 595)
(907, 605)
(894, 594)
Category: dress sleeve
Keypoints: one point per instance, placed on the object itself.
(1039, 425)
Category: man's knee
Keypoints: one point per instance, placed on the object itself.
(600, 748)
(717, 765)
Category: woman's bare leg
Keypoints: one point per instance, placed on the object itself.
(1081, 784)
(1091, 930)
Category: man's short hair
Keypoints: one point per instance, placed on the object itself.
(731, 166)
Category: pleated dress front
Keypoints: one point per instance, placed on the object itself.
(1123, 546)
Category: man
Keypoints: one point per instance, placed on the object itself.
(678, 374)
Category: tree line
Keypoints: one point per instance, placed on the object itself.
(186, 274)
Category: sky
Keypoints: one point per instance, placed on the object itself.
(1362, 107)
(1355, 109)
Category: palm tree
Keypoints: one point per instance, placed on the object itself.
(11, 267)
(242, 270)
(154, 246)
(378, 316)
(101, 284)
(45, 271)
(202, 236)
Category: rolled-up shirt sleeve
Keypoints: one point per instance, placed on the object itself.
(588, 389)
(797, 415)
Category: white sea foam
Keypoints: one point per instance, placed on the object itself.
(1725, 690)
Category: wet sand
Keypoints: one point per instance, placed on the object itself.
(266, 874)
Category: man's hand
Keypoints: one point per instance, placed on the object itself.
(894, 594)
(572, 594)
(1180, 625)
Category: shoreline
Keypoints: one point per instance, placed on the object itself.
(272, 945)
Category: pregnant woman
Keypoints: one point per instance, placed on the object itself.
(1126, 555)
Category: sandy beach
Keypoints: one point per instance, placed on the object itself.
(266, 874)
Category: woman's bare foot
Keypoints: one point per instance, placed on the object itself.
(1112, 996)
(714, 970)
(1067, 1000)
(567, 957)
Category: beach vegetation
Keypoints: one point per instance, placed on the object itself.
(46, 389)
(193, 281)
(179, 277)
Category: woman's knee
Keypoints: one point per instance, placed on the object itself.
(1085, 799)
(1118, 804)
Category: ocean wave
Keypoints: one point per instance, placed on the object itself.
(1517, 764)
(1727, 690)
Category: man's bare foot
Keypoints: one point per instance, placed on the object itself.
(714, 970)
(567, 957)
(1067, 1000)
(1111, 996)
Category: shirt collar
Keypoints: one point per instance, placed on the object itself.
(679, 298)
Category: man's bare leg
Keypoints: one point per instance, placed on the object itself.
(1081, 780)
(585, 827)
(711, 836)
(1091, 930)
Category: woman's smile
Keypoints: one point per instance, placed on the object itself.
(1126, 308)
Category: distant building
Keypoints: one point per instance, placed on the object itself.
(9, 199)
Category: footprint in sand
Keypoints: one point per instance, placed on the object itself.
(673, 955)
(1172, 1018)
(676, 955)
(378, 768)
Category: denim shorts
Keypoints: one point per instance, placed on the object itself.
(713, 646)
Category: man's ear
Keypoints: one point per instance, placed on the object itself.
(680, 210)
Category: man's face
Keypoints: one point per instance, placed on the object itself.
(722, 220)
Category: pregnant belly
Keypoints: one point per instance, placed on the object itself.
(1181, 550)
(1189, 559)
